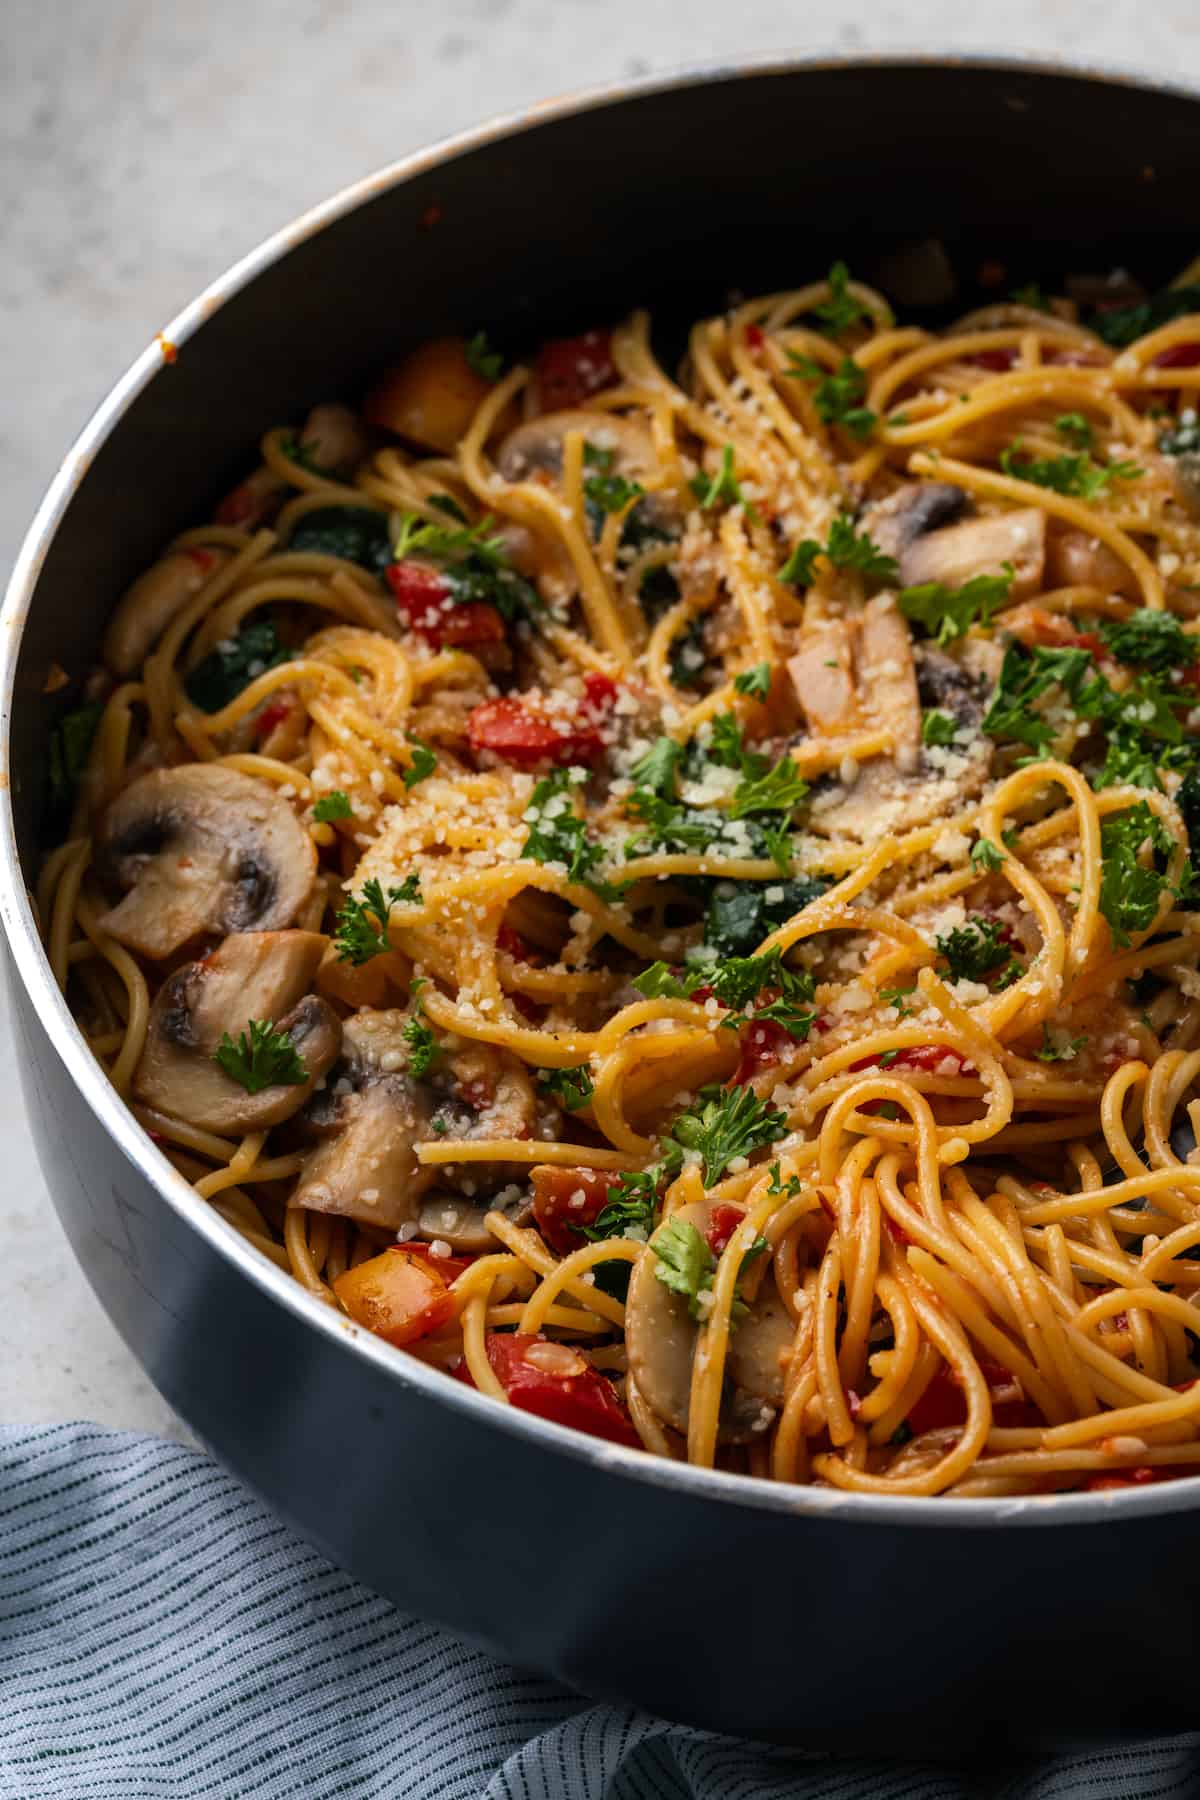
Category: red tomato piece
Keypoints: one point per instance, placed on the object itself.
(399, 1295)
(1179, 356)
(762, 1045)
(944, 1404)
(1139, 1477)
(448, 1267)
(556, 1381)
(566, 1199)
(999, 359)
(271, 715)
(514, 945)
(568, 370)
(722, 1223)
(1053, 631)
(522, 730)
(927, 1058)
(426, 605)
(755, 337)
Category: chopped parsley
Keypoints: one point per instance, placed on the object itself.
(331, 806)
(1060, 1047)
(1150, 639)
(985, 857)
(656, 770)
(485, 361)
(572, 1087)
(1131, 886)
(474, 563)
(1023, 680)
(841, 310)
(261, 1058)
(837, 397)
(686, 1265)
(739, 914)
(896, 996)
(1032, 296)
(727, 1124)
(423, 763)
(629, 1209)
(780, 789)
(948, 613)
(978, 951)
(1122, 325)
(938, 728)
(612, 493)
(233, 665)
(1075, 430)
(755, 682)
(426, 1051)
(845, 548)
(711, 489)
(557, 834)
(734, 983)
(1076, 475)
(70, 747)
(789, 1188)
(361, 925)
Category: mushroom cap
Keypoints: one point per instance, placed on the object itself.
(661, 1337)
(538, 443)
(263, 975)
(201, 849)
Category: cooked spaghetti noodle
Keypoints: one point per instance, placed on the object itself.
(669, 896)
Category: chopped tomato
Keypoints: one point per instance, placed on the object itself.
(204, 559)
(427, 606)
(556, 1381)
(999, 360)
(1139, 1477)
(943, 1403)
(762, 1045)
(568, 370)
(523, 730)
(273, 714)
(252, 501)
(448, 1267)
(566, 1199)
(1053, 631)
(400, 1295)
(514, 945)
(1179, 356)
(926, 1057)
(722, 1223)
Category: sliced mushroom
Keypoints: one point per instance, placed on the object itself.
(981, 546)
(913, 511)
(887, 679)
(661, 1337)
(201, 849)
(1077, 559)
(372, 1115)
(333, 439)
(537, 446)
(461, 1223)
(922, 526)
(147, 607)
(260, 975)
(822, 672)
(857, 669)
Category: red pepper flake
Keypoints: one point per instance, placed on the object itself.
(271, 716)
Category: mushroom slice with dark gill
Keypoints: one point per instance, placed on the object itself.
(201, 850)
(923, 527)
(854, 671)
(373, 1114)
(661, 1337)
(261, 975)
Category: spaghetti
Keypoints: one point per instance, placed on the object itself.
(670, 897)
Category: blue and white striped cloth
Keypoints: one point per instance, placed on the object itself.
(162, 1634)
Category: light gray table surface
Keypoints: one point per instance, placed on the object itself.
(146, 146)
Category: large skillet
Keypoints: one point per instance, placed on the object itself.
(797, 1614)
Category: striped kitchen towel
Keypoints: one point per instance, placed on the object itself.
(162, 1634)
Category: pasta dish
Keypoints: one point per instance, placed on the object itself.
(661, 884)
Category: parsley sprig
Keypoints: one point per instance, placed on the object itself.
(710, 490)
(261, 1057)
(844, 548)
(361, 926)
(735, 982)
(977, 950)
(1074, 474)
(1132, 843)
(948, 613)
(331, 806)
(841, 310)
(687, 1266)
(573, 1088)
(837, 396)
(557, 833)
(727, 1124)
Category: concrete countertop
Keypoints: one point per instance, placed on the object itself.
(146, 147)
